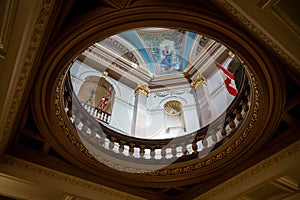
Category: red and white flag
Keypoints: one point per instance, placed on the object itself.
(229, 80)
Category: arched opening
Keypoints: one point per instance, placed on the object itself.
(174, 118)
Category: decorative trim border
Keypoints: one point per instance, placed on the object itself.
(227, 5)
(31, 54)
(8, 13)
(279, 157)
(43, 171)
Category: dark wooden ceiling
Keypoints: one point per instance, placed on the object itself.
(28, 143)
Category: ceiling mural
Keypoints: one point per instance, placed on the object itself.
(165, 51)
(165, 48)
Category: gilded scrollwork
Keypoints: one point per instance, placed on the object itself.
(142, 90)
(198, 81)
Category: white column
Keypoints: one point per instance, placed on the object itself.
(140, 113)
(204, 101)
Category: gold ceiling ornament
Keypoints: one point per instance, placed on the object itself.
(198, 81)
(143, 89)
(173, 107)
(105, 73)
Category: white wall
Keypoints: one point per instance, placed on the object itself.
(155, 122)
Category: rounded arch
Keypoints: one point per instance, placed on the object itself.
(117, 90)
(180, 99)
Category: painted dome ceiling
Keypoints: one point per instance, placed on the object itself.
(158, 51)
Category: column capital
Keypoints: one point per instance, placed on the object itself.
(196, 82)
(142, 90)
(105, 73)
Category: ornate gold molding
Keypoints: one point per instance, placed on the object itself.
(43, 171)
(198, 81)
(31, 53)
(227, 5)
(142, 90)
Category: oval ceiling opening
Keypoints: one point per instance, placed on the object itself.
(156, 94)
(125, 80)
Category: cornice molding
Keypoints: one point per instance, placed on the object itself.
(230, 7)
(53, 174)
(290, 152)
(31, 53)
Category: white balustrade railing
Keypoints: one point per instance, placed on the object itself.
(98, 114)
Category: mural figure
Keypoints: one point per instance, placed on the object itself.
(166, 48)
(166, 61)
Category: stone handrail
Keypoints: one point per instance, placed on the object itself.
(98, 114)
(198, 143)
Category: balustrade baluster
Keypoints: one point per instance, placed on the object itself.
(121, 146)
(105, 117)
(70, 113)
(152, 152)
(67, 101)
(214, 138)
(223, 132)
(183, 148)
(142, 150)
(198, 137)
(238, 114)
(231, 122)
(91, 110)
(86, 125)
(247, 92)
(112, 142)
(97, 114)
(173, 150)
(94, 133)
(163, 152)
(195, 147)
(131, 148)
(204, 143)
(94, 111)
(84, 128)
(102, 140)
(244, 104)
(77, 120)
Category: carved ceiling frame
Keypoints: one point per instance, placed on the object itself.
(230, 7)
(25, 70)
(264, 115)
